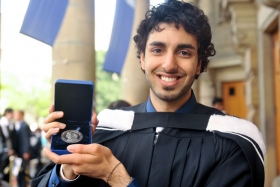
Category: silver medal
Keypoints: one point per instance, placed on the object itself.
(71, 136)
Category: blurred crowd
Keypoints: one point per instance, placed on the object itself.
(20, 150)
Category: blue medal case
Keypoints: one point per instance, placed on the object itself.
(75, 99)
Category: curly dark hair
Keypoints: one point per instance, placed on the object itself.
(189, 16)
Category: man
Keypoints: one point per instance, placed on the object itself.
(36, 148)
(22, 146)
(7, 126)
(6, 130)
(1, 153)
(170, 140)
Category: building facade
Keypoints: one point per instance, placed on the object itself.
(245, 72)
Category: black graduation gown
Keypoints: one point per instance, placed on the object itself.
(185, 154)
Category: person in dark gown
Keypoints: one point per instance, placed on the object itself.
(171, 139)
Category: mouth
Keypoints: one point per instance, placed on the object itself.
(169, 79)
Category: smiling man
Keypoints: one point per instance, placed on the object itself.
(170, 62)
(171, 139)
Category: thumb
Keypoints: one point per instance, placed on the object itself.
(94, 122)
(81, 148)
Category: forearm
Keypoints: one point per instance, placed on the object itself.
(119, 177)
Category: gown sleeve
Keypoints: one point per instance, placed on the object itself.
(233, 170)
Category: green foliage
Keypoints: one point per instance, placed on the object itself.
(34, 98)
(107, 89)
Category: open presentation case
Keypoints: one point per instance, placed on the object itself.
(75, 99)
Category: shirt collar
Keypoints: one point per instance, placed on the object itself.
(186, 108)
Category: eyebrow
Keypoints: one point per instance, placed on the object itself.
(180, 46)
(156, 43)
(183, 46)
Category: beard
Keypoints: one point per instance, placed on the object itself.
(171, 94)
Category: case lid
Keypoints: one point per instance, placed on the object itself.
(75, 99)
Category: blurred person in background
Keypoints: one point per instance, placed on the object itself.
(118, 104)
(218, 103)
(6, 127)
(36, 148)
(1, 151)
(22, 145)
(6, 123)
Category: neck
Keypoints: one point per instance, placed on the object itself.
(168, 106)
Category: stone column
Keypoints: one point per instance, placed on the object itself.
(0, 59)
(74, 51)
(244, 29)
(206, 89)
(134, 87)
(191, 1)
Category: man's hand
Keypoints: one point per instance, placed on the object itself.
(91, 160)
(52, 127)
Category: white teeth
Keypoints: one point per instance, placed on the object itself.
(168, 79)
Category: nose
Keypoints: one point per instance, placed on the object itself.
(170, 63)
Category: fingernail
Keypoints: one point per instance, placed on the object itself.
(62, 125)
(55, 130)
(71, 147)
(59, 114)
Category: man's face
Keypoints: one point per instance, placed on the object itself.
(18, 116)
(170, 63)
(9, 115)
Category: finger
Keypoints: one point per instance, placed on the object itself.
(53, 116)
(50, 132)
(70, 159)
(54, 124)
(51, 109)
(94, 122)
(93, 128)
(52, 156)
(93, 149)
(52, 128)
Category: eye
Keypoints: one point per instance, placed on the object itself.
(185, 53)
(156, 50)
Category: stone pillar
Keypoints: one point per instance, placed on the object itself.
(0, 37)
(206, 89)
(244, 29)
(134, 87)
(74, 51)
(191, 1)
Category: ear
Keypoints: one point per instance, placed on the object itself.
(198, 68)
(142, 60)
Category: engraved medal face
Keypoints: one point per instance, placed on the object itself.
(71, 136)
